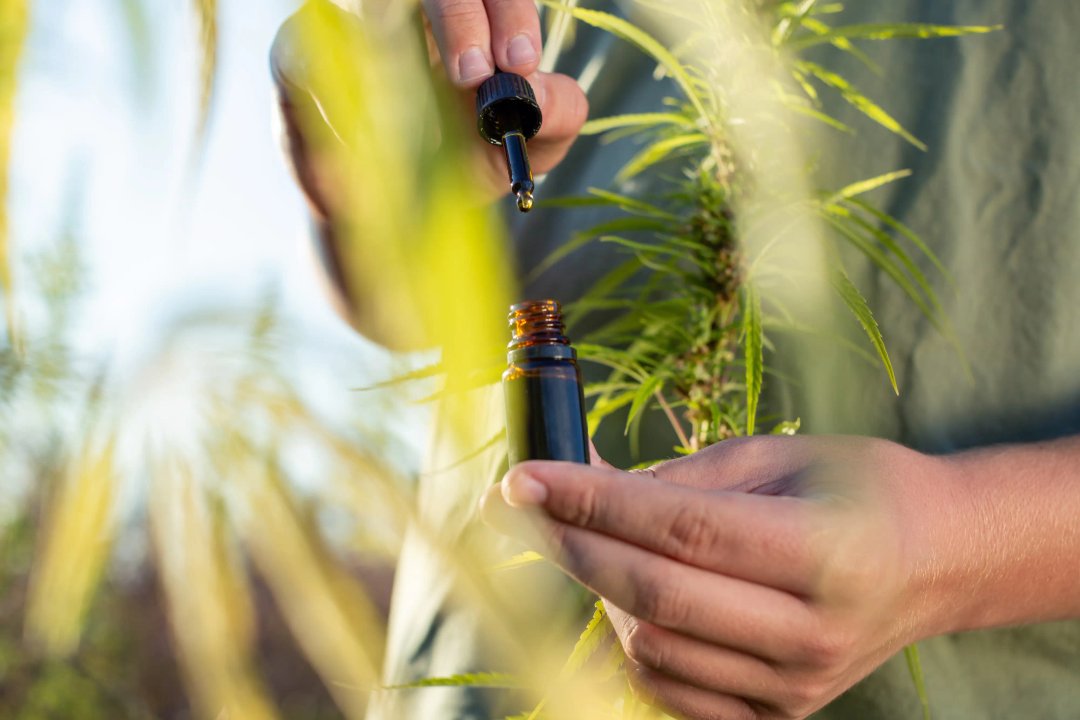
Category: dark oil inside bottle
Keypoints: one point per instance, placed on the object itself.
(545, 405)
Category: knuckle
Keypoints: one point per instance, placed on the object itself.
(658, 599)
(691, 531)
(826, 649)
(583, 506)
(458, 13)
(802, 696)
(644, 647)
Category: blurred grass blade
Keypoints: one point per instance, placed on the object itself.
(753, 334)
(210, 607)
(859, 101)
(891, 31)
(327, 611)
(914, 665)
(646, 43)
(14, 26)
(76, 542)
(861, 310)
(529, 557)
(206, 15)
(477, 680)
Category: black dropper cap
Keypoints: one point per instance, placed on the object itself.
(508, 115)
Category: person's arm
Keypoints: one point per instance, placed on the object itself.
(469, 38)
(762, 577)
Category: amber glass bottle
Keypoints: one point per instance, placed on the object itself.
(545, 406)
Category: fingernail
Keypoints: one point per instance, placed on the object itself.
(521, 51)
(473, 65)
(522, 490)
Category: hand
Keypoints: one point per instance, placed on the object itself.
(759, 578)
(467, 38)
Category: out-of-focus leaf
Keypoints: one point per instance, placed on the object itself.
(529, 557)
(477, 680)
(14, 25)
(75, 546)
(206, 14)
(327, 611)
(787, 427)
(210, 607)
(753, 352)
(861, 310)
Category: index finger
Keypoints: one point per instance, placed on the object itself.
(762, 539)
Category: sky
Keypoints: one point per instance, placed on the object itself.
(105, 121)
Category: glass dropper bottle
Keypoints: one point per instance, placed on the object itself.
(545, 405)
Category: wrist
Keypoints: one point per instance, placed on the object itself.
(1004, 538)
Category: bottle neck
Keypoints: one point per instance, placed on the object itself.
(538, 331)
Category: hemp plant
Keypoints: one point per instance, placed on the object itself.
(689, 314)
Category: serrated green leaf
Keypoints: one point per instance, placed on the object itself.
(754, 353)
(478, 680)
(642, 40)
(891, 31)
(876, 256)
(859, 101)
(596, 630)
(641, 398)
(425, 373)
(634, 120)
(861, 310)
(911, 654)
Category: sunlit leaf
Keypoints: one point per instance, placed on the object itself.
(658, 151)
(634, 120)
(14, 25)
(865, 186)
(477, 680)
(75, 545)
(529, 557)
(862, 103)
(891, 31)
